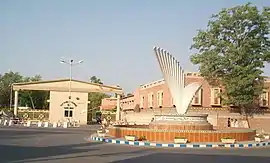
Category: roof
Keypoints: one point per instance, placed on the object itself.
(107, 107)
(63, 85)
(129, 96)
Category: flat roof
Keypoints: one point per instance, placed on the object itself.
(63, 85)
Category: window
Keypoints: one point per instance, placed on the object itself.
(159, 98)
(215, 96)
(141, 101)
(150, 99)
(264, 99)
(68, 112)
(197, 100)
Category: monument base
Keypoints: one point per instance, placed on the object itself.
(181, 122)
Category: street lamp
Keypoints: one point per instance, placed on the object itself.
(71, 63)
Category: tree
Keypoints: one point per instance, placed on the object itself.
(29, 98)
(39, 98)
(6, 81)
(35, 99)
(94, 79)
(232, 52)
(95, 98)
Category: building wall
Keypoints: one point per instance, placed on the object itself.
(59, 106)
(148, 95)
(152, 89)
(108, 103)
(157, 95)
(127, 102)
(206, 97)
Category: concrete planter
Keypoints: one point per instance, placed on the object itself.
(100, 131)
(100, 134)
(266, 137)
(180, 141)
(258, 139)
(228, 141)
(131, 138)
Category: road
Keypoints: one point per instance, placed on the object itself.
(25, 145)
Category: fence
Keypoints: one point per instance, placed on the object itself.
(108, 115)
(34, 114)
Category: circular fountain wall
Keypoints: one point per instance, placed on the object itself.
(181, 122)
(193, 127)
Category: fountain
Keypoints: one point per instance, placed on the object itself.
(182, 96)
(189, 127)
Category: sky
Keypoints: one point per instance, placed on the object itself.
(115, 39)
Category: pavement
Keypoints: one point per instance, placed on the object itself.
(49, 145)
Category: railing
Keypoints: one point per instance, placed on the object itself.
(192, 108)
(108, 112)
(40, 115)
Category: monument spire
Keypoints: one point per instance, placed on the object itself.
(175, 79)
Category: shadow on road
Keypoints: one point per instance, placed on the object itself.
(13, 153)
(195, 158)
(21, 134)
(121, 154)
(31, 151)
(143, 156)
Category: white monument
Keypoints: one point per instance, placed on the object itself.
(175, 78)
(182, 95)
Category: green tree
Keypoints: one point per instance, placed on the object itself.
(95, 98)
(6, 82)
(96, 80)
(232, 52)
(34, 99)
(26, 98)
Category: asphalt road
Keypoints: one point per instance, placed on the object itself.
(22, 145)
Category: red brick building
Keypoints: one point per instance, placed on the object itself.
(157, 95)
(108, 103)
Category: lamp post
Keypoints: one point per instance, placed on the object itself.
(71, 63)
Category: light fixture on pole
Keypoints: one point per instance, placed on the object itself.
(71, 63)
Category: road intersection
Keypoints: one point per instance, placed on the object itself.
(40, 145)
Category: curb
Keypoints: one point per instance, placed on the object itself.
(150, 144)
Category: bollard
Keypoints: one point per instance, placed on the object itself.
(5, 122)
(10, 123)
(39, 124)
(54, 124)
(28, 124)
(46, 124)
(65, 125)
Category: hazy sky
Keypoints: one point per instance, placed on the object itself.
(114, 37)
